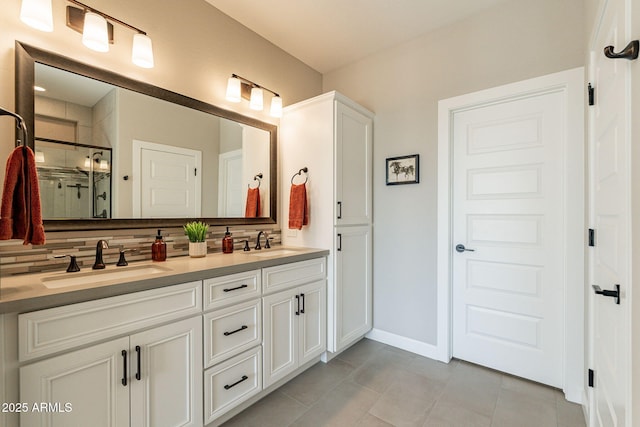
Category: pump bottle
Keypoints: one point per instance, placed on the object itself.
(159, 249)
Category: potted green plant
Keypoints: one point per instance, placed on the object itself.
(196, 231)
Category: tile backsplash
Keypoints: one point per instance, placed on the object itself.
(16, 258)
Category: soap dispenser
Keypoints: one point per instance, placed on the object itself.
(159, 249)
(227, 243)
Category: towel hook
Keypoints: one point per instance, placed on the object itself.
(256, 178)
(306, 178)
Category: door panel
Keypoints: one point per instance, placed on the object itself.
(508, 288)
(280, 335)
(313, 339)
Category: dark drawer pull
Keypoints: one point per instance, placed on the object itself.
(242, 328)
(244, 377)
(297, 305)
(138, 376)
(236, 288)
(124, 374)
(302, 297)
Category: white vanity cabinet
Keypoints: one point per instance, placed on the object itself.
(333, 137)
(294, 319)
(146, 378)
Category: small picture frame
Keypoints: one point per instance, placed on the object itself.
(403, 170)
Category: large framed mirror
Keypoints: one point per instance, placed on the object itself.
(157, 157)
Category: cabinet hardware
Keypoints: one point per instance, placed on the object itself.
(592, 94)
(297, 305)
(339, 242)
(302, 296)
(591, 377)
(235, 289)
(242, 328)
(138, 376)
(339, 210)
(244, 378)
(614, 294)
(592, 237)
(124, 364)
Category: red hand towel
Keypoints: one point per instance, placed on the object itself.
(252, 210)
(21, 213)
(298, 213)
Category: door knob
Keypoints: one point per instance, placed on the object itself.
(614, 294)
(460, 248)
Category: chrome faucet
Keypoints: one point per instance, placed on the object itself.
(99, 264)
(266, 246)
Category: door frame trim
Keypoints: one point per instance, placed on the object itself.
(571, 84)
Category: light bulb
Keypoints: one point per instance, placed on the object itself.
(142, 52)
(276, 106)
(37, 14)
(87, 162)
(95, 35)
(104, 165)
(233, 89)
(256, 99)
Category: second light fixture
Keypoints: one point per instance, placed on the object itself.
(238, 87)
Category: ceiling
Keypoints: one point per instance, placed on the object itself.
(328, 34)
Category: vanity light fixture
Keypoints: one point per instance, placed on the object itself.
(97, 32)
(239, 87)
(37, 14)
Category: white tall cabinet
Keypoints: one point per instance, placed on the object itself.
(333, 137)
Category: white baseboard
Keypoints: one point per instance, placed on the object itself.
(404, 343)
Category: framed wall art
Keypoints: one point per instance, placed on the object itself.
(403, 170)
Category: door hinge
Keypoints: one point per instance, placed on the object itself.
(592, 237)
(591, 375)
(592, 94)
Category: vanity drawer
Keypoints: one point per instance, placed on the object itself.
(296, 273)
(57, 329)
(226, 290)
(232, 330)
(232, 382)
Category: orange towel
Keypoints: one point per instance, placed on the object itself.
(21, 213)
(298, 212)
(252, 209)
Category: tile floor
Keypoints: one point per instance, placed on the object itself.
(372, 384)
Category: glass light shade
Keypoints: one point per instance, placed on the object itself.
(95, 35)
(142, 52)
(256, 102)
(37, 14)
(276, 106)
(233, 90)
(104, 165)
(39, 157)
(87, 162)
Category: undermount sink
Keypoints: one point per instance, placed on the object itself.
(99, 276)
(273, 252)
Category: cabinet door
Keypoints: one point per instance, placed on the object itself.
(166, 384)
(353, 166)
(89, 380)
(280, 335)
(352, 285)
(313, 321)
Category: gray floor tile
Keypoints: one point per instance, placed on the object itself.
(516, 409)
(344, 406)
(378, 373)
(407, 400)
(532, 389)
(315, 382)
(275, 410)
(569, 414)
(433, 369)
(372, 421)
(360, 352)
(447, 415)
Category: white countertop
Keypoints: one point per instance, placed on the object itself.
(27, 292)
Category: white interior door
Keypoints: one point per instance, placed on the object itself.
(168, 181)
(508, 285)
(231, 202)
(609, 150)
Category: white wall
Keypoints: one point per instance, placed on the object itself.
(515, 41)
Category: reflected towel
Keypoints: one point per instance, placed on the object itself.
(21, 212)
(298, 212)
(252, 209)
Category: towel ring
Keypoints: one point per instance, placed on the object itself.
(306, 178)
(256, 178)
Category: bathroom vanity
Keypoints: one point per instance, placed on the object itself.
(190, 341)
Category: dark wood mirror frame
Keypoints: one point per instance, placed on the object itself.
(27, 56)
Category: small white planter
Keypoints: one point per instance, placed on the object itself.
(197, 249)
